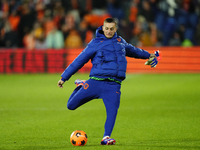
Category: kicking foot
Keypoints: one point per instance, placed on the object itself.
(79, 82)
(108, 141)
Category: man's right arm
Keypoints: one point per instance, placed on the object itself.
(79, 62)
(60, 83)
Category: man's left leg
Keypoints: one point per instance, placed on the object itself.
(111, 99)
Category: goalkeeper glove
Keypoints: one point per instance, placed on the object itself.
(153, 59)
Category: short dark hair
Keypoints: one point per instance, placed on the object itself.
(110, 20)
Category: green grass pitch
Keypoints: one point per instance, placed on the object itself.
(157, 112)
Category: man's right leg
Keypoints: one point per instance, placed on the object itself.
(83, 94)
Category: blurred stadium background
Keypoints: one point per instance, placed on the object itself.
(72, 23)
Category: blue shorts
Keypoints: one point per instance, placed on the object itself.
(109, 91)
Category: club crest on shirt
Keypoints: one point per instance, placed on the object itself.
(118, 39)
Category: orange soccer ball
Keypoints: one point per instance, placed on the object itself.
(78, 138)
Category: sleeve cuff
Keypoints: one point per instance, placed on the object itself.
(63, 79)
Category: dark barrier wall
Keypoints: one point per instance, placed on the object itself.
(174, 60)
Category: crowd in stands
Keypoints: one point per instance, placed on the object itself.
(42, 24)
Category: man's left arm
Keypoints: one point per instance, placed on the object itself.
(132, 51)
(153, 59)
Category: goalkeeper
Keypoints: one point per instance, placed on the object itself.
(107, 53)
